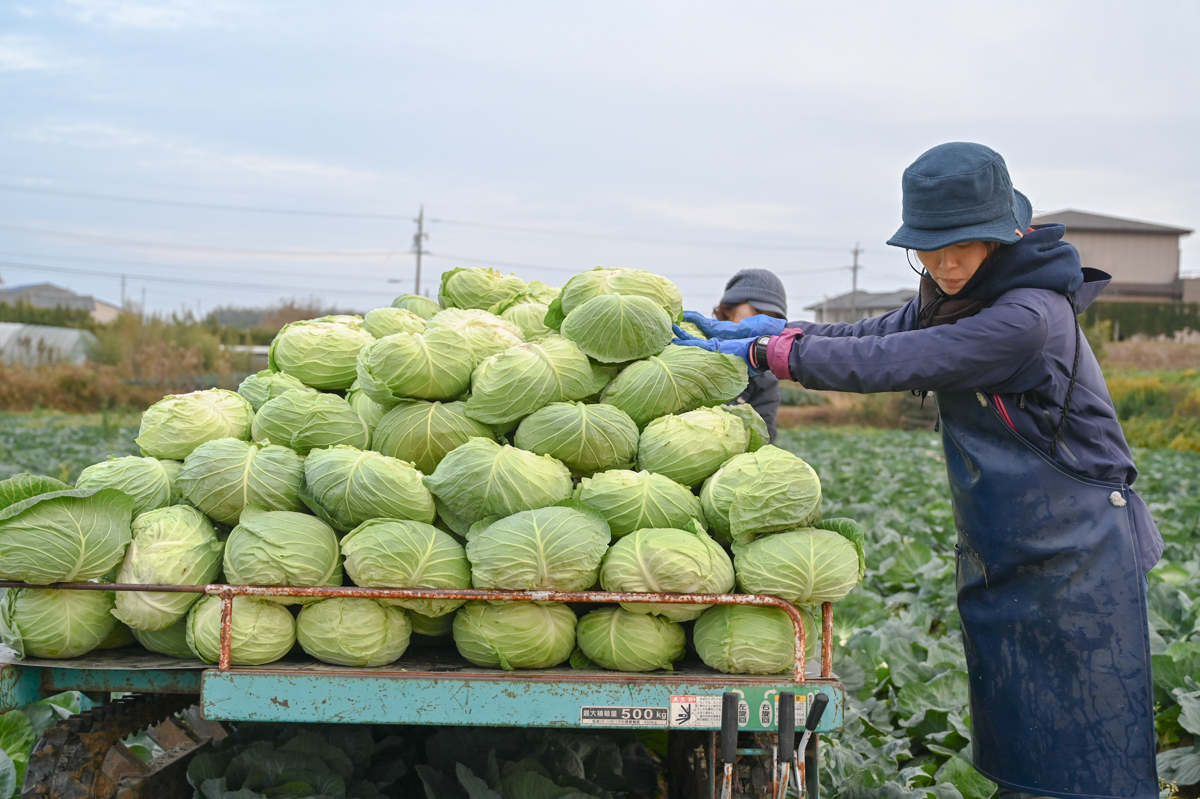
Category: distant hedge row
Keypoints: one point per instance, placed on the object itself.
(1148, 318)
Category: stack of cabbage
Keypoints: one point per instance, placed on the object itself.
(513, 436)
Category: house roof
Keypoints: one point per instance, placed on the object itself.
(866, 301)
(1082, 220)
(48, 295)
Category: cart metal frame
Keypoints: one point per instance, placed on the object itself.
(445, 691)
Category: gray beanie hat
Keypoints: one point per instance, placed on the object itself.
(760, 288)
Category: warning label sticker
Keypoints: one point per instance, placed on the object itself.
(623, 716)
(703, 712)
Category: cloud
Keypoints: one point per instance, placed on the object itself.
(741, 217)
(19, 54)
(183, 153)
(150, 14)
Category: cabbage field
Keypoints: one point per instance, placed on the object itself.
(898, 649)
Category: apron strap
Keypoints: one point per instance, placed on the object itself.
(1060, 428)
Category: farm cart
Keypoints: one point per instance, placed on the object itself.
(694, 703)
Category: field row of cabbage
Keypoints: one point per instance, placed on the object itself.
(898, 646)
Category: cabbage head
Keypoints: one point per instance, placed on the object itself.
(515, 383)
(171, 642)
(171, 546)
(745, 639)
(614, 638)
(515, 635)
(757, 434)
(536, 291)
(483, 478)
(265, 385)
(350, 486)
(806, 566)
(282, 548)
(386, 321)
(587, 438)
(435, 365)
(552, 549)
(322, 353)
(304, 421)
(761, 492)
(615, 328)
(51, 623)
(478, 287)
(178, 423)
(853, 532)
(668, 562)
(421, 306)
(149, 481)
(633, 500)
(485, 333)
(73, 535)
(121, 635)
(349, 631)
(222, 477)
(677, 380)
(262, 631)
(367, 409)
(530, 318)
(389, 553)
(430, 627)
(423, 432)
(691, 446)
(600, 282)
(693, 330)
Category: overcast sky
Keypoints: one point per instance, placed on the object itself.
(689, 138)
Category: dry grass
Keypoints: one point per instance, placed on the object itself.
(896, 410)
(1151, 355)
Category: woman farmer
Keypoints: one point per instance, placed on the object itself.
(754, 292)
(1053, 543)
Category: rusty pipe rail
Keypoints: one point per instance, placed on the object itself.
(228, 592)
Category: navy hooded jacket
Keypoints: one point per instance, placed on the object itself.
(1020, 349)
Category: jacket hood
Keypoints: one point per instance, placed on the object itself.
(1040, 260)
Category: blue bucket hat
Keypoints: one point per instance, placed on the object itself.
(960, 191)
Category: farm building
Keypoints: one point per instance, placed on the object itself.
(41, 345)
(855, 305)
(1142, 257)
(48, 295)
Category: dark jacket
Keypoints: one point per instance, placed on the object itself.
(763, 395)
(1020, 347)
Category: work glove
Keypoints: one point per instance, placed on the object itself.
(739, 348)
(751, 327)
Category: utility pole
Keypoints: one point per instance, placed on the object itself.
(854, 284)
(122, 292)
(419, 246)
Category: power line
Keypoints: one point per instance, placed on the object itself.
(400, 217)
(187, 281)
(162, 245)
(117, 262)
(636, 239)
(82, 195)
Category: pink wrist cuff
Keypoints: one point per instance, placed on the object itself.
(778, 350)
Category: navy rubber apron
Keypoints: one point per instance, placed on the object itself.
(1053, 615)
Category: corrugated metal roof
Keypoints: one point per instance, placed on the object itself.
(866, 301)
(1082, 220)
(40, 345)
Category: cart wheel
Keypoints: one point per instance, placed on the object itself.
(82, 757)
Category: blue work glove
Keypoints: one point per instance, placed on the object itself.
(751, 327)
(738, 347)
